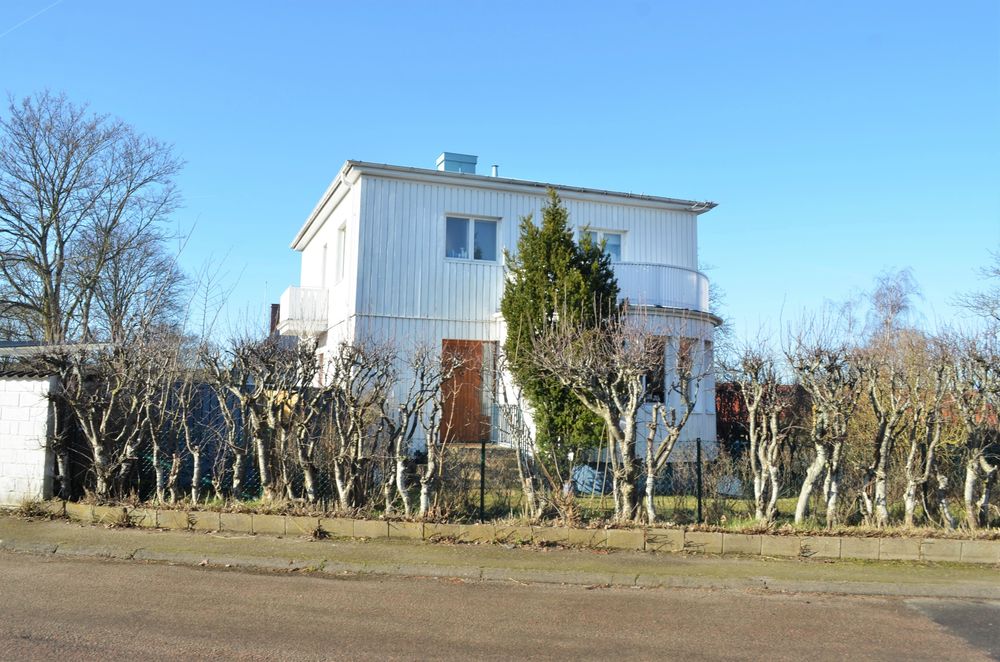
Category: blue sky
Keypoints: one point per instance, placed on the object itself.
(839, 139)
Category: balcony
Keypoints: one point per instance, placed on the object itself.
(303, 311)
(661, 285)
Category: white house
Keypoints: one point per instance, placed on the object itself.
(416, 255)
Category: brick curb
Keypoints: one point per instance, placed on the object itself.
(645, 539)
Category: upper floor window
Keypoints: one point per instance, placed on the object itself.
(612, 242)
(470, 239)
(341, 251)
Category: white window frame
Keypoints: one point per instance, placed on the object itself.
(600, 234)
(341, 252)
(470, 237)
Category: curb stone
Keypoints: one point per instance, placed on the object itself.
(651, 539)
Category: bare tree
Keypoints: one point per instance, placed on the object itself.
(104, 392)
(141, 285)
(821, 355)
(768, 425)
(609, 368)
(986, 303)
(414, 401)
(688, 363)
(929, 383)
(232, 389)
(977, 396)
(158, 417)
(77, 191)
(250, 371)
(884, 372)
(537, 484)
(305, 406)
(360, 377)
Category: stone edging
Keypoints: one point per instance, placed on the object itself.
(648, 539)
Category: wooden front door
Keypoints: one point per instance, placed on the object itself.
(468, 395)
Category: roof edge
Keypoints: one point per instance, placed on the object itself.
(695, 206)
(351, 171)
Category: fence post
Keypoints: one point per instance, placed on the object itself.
(482, 482)
(698, 461)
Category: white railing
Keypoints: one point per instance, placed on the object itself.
(303, 311)
(661, 285)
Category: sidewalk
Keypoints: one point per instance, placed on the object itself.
(499, 562)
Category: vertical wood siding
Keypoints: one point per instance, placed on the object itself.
(399, 287)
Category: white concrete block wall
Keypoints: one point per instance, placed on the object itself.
(25, 431)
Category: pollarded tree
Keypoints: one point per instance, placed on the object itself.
(768, 404)
(823, 359)
(613, 369)
(977, 398)
(551, 276)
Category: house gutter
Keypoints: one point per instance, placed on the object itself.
(531, 187)
(340, 187)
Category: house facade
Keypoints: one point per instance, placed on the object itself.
(413, 255)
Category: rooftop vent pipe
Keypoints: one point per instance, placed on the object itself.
(495, 170)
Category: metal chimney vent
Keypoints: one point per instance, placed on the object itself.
(452, 162)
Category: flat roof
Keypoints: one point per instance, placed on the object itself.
(488, 181)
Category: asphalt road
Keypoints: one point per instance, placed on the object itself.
(108, 610)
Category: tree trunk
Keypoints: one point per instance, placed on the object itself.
(832, 489)
(344, 486)
(239, 468)
(913, 481)
(160, 474)
(175, 472)
(809, 482)
(428, 481)
(909, 502)
(196, 476)
(758, 496)
(771, 512)
(62, 466)
(881, 498)
(941, 496)
(264, 469)
(969, 493)
(309, 480)
(102, 473)
(401, 486)
(650, 487)
(983, 504)
(626, 495)
(426, 494)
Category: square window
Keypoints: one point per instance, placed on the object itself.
(470, 239)
(612, 242)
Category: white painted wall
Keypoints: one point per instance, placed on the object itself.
(399, 286)
(25, 431)
(320, 272)
(403, 272)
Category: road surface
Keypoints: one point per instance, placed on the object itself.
(87, 609)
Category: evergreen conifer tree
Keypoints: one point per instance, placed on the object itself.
(553, 276)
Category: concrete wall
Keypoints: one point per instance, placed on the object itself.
(25, 430)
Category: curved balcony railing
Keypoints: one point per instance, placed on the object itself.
(662, 285)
